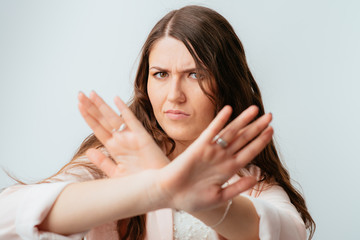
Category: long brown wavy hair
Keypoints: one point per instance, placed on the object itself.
(219, 54)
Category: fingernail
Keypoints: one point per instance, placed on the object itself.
(92, 93)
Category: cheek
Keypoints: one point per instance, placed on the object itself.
(209, 113)
(206, 109)
(154, 97)
(206, 99)
(150, 92)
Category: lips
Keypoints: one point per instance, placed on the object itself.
(176, 114)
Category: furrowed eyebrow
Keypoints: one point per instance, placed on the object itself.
(165, 70)
(189, 70)
(159, 69)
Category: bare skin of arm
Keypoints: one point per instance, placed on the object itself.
(81, 206)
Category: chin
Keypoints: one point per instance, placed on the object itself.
(180, 137)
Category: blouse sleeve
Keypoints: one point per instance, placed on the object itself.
(279, 219)
(23, 207)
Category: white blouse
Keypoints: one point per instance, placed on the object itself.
(187, 227)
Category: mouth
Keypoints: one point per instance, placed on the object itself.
(176, 114)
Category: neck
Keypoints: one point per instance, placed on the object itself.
(180, 147)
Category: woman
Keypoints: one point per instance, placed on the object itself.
(192, 65)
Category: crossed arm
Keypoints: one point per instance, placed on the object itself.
(142, 174)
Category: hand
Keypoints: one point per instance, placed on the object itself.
(133, 149)
(194, 180)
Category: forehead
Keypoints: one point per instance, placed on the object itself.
(169, 52)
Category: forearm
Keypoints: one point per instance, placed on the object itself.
(241, 222)
(81, 206)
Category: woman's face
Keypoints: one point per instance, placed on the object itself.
(180, 106)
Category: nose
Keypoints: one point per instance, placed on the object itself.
(176, 91)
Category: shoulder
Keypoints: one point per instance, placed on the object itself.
(274, 208)
(269, 191)
(79, 169)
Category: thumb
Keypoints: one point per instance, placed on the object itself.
(104, 163)
(238, 187)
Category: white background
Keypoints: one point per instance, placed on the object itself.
(305, 56)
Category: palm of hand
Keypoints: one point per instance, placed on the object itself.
(133, 149)
(195, 180)
(199, 171)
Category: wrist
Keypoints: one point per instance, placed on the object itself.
(215, 216)
(223, 216)
(158, 197)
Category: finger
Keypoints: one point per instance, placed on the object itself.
(109, 115)
(217, 124)
(93, 111)
(104, 163)
(130, 119)
(234, 189)
(230, 131)
(250, 151)
(100, 132)
(250, 132)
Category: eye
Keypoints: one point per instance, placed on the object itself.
(160, 75)
(194, 75)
